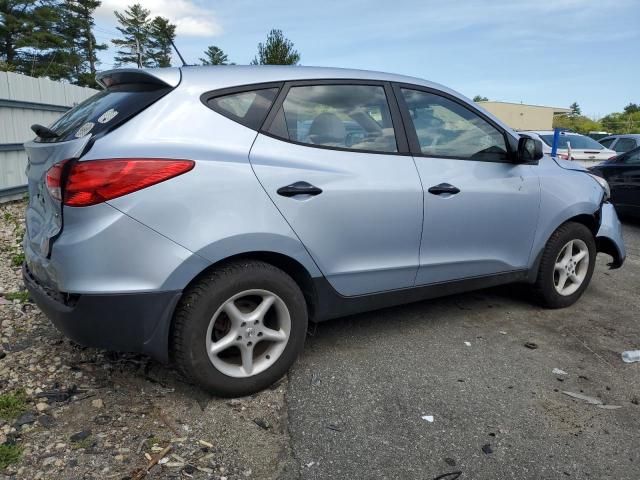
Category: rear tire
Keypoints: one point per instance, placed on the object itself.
(239, 328)
(566, 266)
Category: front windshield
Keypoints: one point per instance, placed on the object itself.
(576, 141)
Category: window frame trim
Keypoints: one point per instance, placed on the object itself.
(412, 134)
(402, 143)
(206, 97)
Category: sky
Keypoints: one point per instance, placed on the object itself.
(543, 52)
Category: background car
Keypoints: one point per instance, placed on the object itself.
(621, 143)
(584, 150)
(623, 174)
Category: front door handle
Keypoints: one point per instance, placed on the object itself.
(299, 188)
(444, 188)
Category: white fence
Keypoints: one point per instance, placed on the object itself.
(24, 101)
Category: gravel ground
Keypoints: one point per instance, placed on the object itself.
(78, 413)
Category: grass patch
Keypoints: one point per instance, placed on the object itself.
(22, 296)
(9, 454)
(17, 259)
(12, 405)
(86, 443)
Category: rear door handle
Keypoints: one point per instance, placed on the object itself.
(444, 188)
(299, 188)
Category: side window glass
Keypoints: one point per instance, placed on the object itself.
(632, 159)
(607, 143)
(248, 108)
(341, 116)
(447, 129)
(625, 144)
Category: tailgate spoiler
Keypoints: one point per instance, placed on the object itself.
(169, 77)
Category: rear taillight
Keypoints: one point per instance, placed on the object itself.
(95, 181)
(54, 180)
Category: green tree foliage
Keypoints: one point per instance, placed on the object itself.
(632, 108)
(162, 33)
(214, 56)
(575, 109)
(82, 45)
(277, 50)
(576, 123)
(145, 42)
(135, 45)
(480, 98)
(27, 33)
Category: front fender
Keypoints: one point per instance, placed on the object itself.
(609, 237)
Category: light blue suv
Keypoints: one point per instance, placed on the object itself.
(205, 215)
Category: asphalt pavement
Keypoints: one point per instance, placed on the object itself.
(358, 395)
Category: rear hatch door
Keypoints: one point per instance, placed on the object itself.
(127, 93)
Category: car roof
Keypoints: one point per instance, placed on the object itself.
(622, 135)
(550, 132)
(224, 76)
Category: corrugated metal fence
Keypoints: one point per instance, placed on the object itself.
(24, 101)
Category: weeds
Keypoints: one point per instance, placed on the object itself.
(12, 405)
(22, 296)
(9, 454)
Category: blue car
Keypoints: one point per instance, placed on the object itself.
(206, 215)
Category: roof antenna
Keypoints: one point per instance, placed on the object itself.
(184, 64)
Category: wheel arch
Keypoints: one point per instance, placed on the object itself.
(589, 220)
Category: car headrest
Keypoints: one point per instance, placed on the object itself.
(327, 128)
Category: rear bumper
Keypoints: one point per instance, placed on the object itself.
(609, 237)
(133, 322)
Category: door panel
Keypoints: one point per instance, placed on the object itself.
(363, 230)
(486, 228)
(480, 210)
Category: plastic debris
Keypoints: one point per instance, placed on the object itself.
(631, 356)
(502, 332)
(531, 345)
(557, 371)
(585, 398)
(428, 418)
(468, 344)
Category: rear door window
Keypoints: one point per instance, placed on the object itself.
(352, 117)
(248, 108)
(105, 110)
(625, 144)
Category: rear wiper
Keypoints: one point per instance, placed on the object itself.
(43, 132)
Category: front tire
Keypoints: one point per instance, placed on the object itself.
(239, 328)
(566, 266)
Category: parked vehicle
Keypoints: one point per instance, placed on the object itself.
(621, 143)
(584, 150)
(206, 214)
(623, 175)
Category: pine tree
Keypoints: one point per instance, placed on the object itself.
(135, 46)
(214, 56)
(277, 50)
(161, 33)
(84, 45)
(575, 109)
(27, 34)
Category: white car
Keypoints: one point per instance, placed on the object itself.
(584, 150)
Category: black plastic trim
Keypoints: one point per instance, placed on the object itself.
(135, 322)
(412, 135)
(402, 143)
(330, 304)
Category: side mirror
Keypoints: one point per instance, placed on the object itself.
(529, 150)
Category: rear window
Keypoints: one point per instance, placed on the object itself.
(249, 108)
(105, 111)
(576, 141)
